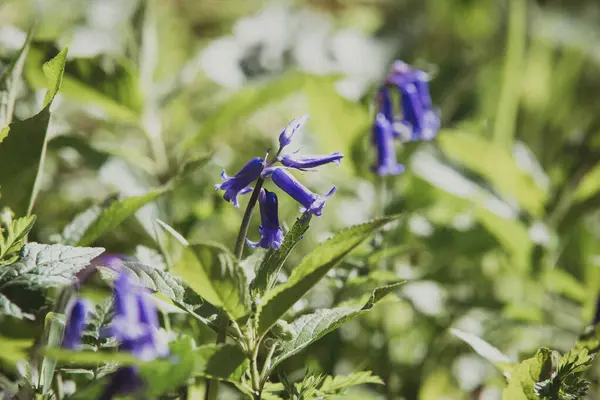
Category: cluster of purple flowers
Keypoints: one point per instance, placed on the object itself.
(415, 118)
(135, 326)
(271, 234)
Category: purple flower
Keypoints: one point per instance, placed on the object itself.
(75, 324)
(384, 144)
(124, 381)
(271, 234)
(294, 126)
(135, 324)
(238, 184)
(419, 118)
(311, 202)
(304, 162)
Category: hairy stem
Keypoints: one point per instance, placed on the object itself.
(212, 386)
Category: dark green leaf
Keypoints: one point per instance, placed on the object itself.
(22, 150)
(311, 327)
(7, 307)
(274, 260)
(312, 268)
(221, 361)
(42, 265)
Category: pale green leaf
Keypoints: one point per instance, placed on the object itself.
(43, 265)
(311, 269)
(522, 377)
(497, 166)
(54, 71)
(333, 384)
(311, 327)
(13, 350)
(216, 276)
(561, 282)
(220, 361)
(483, 348)
(267, 272)
(9, 79)
(54, 330)
(112, 216)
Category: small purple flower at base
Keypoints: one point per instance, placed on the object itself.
(385, 105)
(384, 145)
(304, 162)
(238, 184)
(76, 321)
(311, 202)
(124, 381)
(271, 234)
(294, 126)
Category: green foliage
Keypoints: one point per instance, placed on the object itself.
(323, 387)
(566, 382)
(311, 327)
(214, 274)
(43, 265)
(312, 268)
(12, 237)
(522, 377)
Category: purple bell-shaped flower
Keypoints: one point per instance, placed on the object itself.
(311, 203)
(271, 234)
(238, 184)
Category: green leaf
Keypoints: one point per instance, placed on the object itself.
(100, 318)
(243, 104)
(54, 330)
(150, 277)
(310, 270)
(497, 166)
(9, 80)
(90, 358)
(13, 350)
(114, 90)
(589, 185)
(567, 381)
(522, 377)
(311, 327)
(43, 265)
(334, 384)
(220, 361)
(23, 147)
(9, 308)
(164, 375)
(111, 217)
(216, 276)
(483, 348)
(271, 265)
(12, 238)
(558, 281)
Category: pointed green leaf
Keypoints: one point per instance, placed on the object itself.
(54, 330)
(483, 348)
(220, 361)
(112, 216)
(522, 377)
(311, 327)
(23, 147)
(9, 79)
(43, 265)
(12, 237)
(311, 269)
(333, 384)
(216, 276)
(274, 260)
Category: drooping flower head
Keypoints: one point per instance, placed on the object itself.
(271, 234)
(288, 132)
(419, 119)
(311, 203)
(135, 324)
(239, 184)
(304, 162)
(384, 145)
(76, 322)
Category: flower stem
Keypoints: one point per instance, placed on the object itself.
(212, 386)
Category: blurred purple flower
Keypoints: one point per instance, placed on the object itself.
(303, 162)
(384, 144)
(311, 202)
(135, 324)
(271, 234)
(294, 126)
(76, 321)
(238, 184)
(124, 381)
(420, 119)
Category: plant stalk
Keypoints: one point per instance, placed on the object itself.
(212, 386)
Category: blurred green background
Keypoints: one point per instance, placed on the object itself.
(501, 229)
